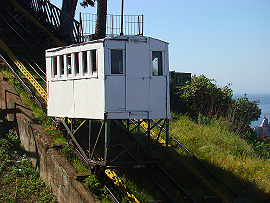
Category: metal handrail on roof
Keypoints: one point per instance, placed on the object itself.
(132, 25)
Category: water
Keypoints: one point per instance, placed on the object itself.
(264, 105)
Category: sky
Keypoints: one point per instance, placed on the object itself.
(225, 40)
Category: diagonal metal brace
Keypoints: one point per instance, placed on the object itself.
(135, 137)
(72, 136)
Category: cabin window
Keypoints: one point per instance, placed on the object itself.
(54, 66)
(76, 63)
(84, 63)
(61, 64)
(69, 64)
(157, 62)
(93, 56)
(116, 61)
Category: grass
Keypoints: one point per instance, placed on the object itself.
(42, 119)
(212, 141)
(227, 154)
(19, 182)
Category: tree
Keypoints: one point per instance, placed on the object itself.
(69, 7)
(242, 112)
(202, 97)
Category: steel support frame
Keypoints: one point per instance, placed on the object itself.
(105, 128)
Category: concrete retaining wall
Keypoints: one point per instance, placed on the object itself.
(51, 164)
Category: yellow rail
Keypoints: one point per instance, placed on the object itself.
(21, 67)
(121, 186)
(160, 140)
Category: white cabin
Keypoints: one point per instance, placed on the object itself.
(124, 77)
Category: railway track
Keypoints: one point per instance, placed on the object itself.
(181, 193)
(164, 181)
(197, 172)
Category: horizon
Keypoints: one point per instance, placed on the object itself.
(228, 41)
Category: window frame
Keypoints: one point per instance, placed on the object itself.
(123, 61)
(91, 62)
(161, 63)
(61, 65)
(84, 63)
(76, 64)
(54, 66)
(69, 63)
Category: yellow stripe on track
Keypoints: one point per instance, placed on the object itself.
(160, 140)
(121, 186)
(21, 67)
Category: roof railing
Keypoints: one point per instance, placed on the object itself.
(132, 25)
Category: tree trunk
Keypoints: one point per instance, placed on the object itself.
(66, 23)
(69, 7)
(100, 29)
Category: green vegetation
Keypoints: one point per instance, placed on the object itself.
(227, 154)
(202, 100)
(203, 97)
(211, 124)
(19, 182)
(216, 128)
(42, 119)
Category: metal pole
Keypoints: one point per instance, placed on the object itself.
(138, 144)
(122, 18)
(107, 139)
(90, 138)
(81, 27)
(142, 25)
(128, 124)
(167, 137)
(148, 131)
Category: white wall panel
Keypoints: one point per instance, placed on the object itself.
(137, 61)
(157, 97)
(137, 94)
(115, 93)
(89, 98)
(60, 99)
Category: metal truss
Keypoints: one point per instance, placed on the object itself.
(118, 143)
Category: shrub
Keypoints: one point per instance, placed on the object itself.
(202, 99)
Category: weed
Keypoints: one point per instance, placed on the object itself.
(231, 157)
(19, 180)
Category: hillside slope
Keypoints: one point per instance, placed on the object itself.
(228, 155)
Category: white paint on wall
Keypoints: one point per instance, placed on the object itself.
(134, 92)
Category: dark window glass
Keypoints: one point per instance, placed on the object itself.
(157, 62)
(69, 63)
(117, 61)
(93, 56)
(54, 66)
(84, 62)
(76, 63)
(61, 64)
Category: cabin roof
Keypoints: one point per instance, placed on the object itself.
(114, 38)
